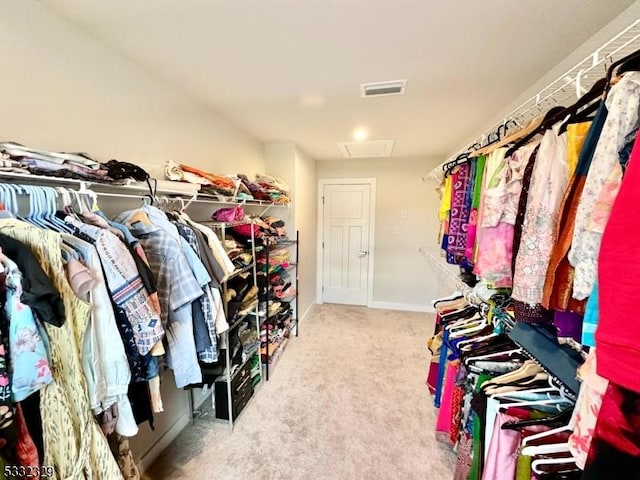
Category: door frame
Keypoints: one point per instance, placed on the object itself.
(372, 229)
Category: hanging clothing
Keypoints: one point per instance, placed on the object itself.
(615, 451)
(548, 184)
(623, 104)
(500, 211)
(74, 444)
(38, 292)
(558, 290)
(470, 250)
(459, 214)
(125, 284)
(28, 342)
(177, 289)
(576, 136)
(522, 206)
(618, 332)
(105, 361)
(585, 414)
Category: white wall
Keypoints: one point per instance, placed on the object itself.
(293, 165)
(62, 90)
(613, 28)
(402, 277)
(304, 201)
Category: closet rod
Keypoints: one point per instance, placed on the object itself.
(570, 83)
(120, 190)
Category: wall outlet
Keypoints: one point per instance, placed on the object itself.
(396, 230)
(403, 214)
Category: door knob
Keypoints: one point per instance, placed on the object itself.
(363, 253)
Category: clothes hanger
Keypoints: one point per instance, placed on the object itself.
(468, 329)
(484, 148)
(591, 100)
(547, 122)
(8, 199)
(496, 345)
(16, 191)
(628, 63)
(563, 419)
(493, 355)
(529, 369)
(454, 296)
(454, 324)
(55, 223)
(537, 380)
(550, 461)
(518, 393)
(515, 136)
(532, 403)
(580, 117)
(459, 160)
(34, 205)
(533, 451)
(139, 216)
(473, 340)
(547, 433)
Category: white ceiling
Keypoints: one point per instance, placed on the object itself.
(290, 70)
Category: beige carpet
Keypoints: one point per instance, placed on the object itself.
(347, 401)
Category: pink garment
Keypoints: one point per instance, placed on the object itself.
(445, 413)
(501, 196)
(549, 181)
(472, 233)
(464, 458)
(587, 409)
(495, 252)
(502, 456)
(432, 377)
(79, 278)
(618, 332)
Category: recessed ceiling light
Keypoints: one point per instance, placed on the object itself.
(360, 134)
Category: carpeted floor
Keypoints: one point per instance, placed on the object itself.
(347, 401)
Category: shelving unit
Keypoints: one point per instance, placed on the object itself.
(272, 351)
(234, 389)
(227, 391)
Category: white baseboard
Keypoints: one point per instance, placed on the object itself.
(163, 442)
(403, 307)
(307, 312)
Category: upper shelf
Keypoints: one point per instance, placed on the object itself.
(131, 190)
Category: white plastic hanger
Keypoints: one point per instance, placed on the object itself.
(551, 401)
(473, 340)
(454, 296)
(533, 390)
(472, 329)
(548, 433)
(532, 451)
(493, 355)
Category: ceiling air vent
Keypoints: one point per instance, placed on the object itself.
(383, 89)
(368, 149)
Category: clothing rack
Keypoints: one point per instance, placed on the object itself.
(472, 295)
(560, 361)
(136, 190)
(574, 82)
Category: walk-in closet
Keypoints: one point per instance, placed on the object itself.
(267, 240)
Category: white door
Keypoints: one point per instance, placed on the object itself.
(346, 219)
